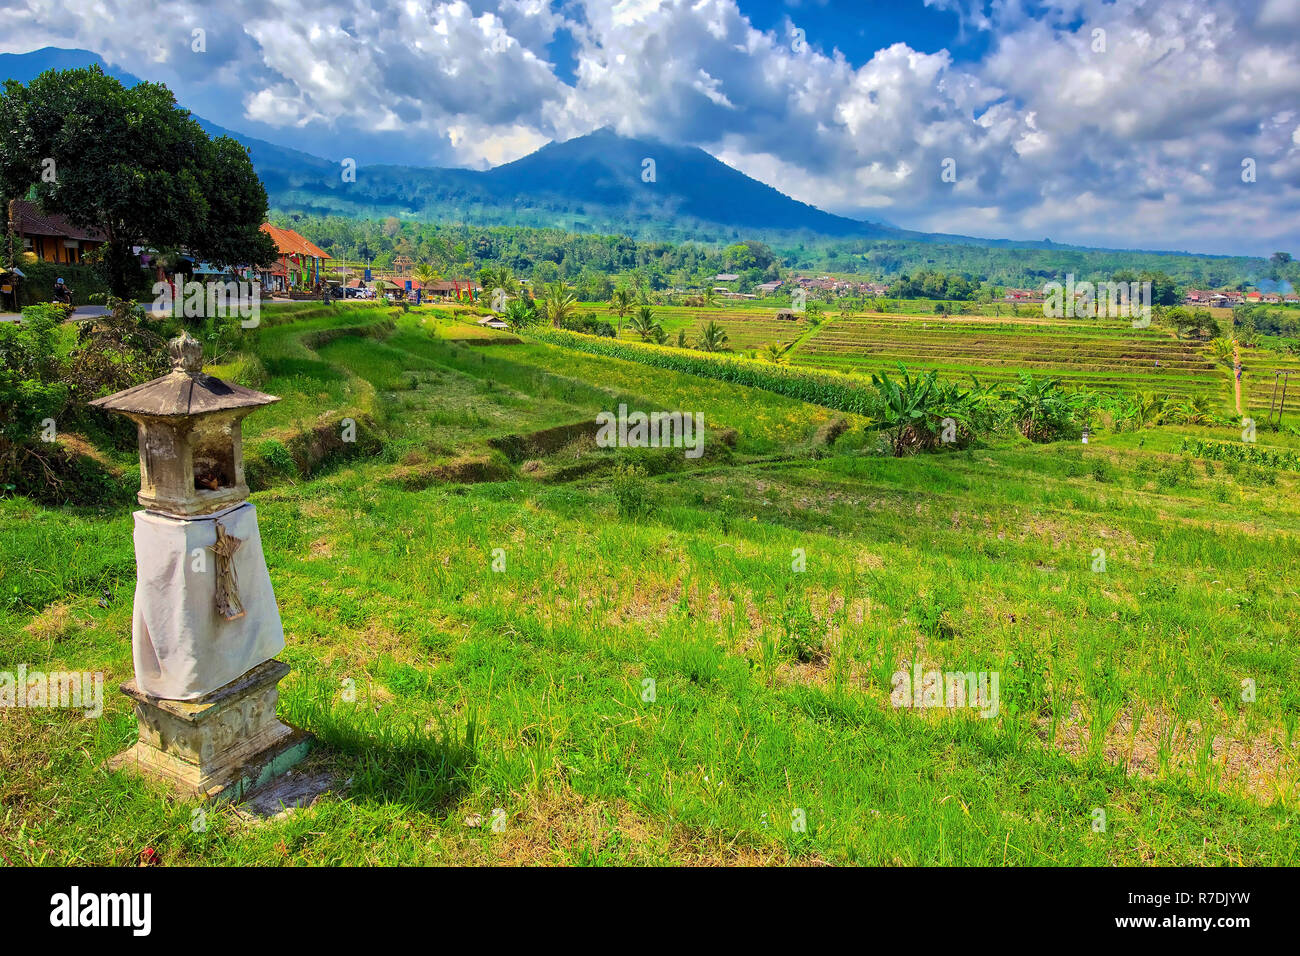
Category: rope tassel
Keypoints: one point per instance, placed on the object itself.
(229, 605)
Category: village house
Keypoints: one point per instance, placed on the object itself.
(726, 277)
(50, 236)
(299, 265)
(839, 286)
(452, 288)
(767, 288)
(1023, 295)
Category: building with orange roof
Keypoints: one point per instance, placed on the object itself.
(299, 264)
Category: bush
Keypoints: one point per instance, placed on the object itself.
(588, 324)
(84, 280)
(1101, 469)
(33, 393)
(802, 636)
(921, 413)
(1043, 411)
(631, 491)
(43, 394)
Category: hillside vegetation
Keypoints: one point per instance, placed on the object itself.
(638, 657)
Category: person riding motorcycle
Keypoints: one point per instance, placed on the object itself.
(61, 292)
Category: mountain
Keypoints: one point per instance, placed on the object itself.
(615, 172)
(594, 183)
(598, 182)
(601, 181)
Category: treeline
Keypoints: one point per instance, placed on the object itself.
(951, 271)
(583, 260)
(963, 287)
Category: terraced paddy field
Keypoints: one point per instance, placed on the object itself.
(1100, 354)
(695, 662)
(747, 327)
(1262, 390)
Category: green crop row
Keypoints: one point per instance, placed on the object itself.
(1241, 452)
(830, 390)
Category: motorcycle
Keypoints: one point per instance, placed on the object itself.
(64, 296)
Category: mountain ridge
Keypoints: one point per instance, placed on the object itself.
(590, 183)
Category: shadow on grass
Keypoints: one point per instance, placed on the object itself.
(388, 759)
(313, 369)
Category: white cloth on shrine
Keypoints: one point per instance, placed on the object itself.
(182, 647)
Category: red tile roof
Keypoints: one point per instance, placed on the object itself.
(290, 243)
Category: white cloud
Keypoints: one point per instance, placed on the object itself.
(1139, 143)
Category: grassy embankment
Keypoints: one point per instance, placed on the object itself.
(526, 689)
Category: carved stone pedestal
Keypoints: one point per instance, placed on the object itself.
(219, 746)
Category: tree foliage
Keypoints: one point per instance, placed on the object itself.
(130, 163)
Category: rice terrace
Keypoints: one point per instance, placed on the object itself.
(534, 505)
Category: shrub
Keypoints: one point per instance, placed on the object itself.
(32, 390)
(921, 413)
(84, 280)
(1041, 410)
(632, 493)
(802, 635)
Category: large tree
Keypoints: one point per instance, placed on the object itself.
(132, 164)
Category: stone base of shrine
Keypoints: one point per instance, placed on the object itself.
(219, 747)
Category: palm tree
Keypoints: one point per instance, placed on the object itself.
(504, 279)
(774, 352)
(712, 337)
(644, 323)
(621, 304)
(558, 303)
(709, 296)
(424, 273)
(681, 339)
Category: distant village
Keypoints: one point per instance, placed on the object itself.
(304, 270)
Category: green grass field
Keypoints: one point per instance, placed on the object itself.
(1104, 354)
(694, 664)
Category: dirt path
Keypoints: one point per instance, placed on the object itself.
(1236, 373)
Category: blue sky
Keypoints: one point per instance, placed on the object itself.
(1168, 124)
(859, 29)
